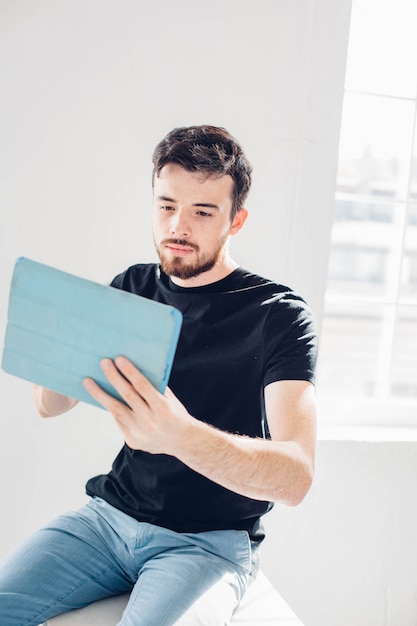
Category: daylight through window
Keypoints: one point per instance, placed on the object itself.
(369, 335)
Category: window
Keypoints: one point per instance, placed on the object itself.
(369, 337)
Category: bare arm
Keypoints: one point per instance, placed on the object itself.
(280, 469)
(50, 403)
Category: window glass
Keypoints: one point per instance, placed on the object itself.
(409, 266)
(383, 47)
(375, 145)
(404, 358)
(365, 255)
(369, 332)
(413, 177)
(352, 339)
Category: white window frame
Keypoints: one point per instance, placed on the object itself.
(384, 416)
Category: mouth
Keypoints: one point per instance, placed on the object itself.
(178, 249)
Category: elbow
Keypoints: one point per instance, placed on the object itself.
(298, 496)
(42, 412)
(50, 403)
(37, 399)
(300, 488)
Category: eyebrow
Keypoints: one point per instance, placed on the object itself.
(205, 205)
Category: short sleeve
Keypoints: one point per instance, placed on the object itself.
(290, 340)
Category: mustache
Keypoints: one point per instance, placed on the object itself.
(179, 242)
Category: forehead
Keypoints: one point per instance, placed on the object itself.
(184, 185)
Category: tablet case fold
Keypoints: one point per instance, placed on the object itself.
(60, 326)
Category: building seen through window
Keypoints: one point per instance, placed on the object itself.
(369, 335)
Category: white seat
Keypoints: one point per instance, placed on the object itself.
(262, 605)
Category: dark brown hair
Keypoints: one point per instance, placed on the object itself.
(208, 149)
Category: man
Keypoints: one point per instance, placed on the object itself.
(177, 521)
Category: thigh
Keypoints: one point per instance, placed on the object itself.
(191, 584)
(63, 566)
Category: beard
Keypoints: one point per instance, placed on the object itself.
(180, 268)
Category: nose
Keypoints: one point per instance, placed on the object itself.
(179, 225)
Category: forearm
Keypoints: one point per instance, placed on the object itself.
(50, 403)
(277, 471)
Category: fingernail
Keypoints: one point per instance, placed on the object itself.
(120, 361)
(105, 364)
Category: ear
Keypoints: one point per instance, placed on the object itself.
(238, 221)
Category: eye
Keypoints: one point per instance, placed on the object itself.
(204, 214)
(166, 207)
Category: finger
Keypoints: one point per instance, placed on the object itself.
(123, 386)
(102, 397)
(138, 381)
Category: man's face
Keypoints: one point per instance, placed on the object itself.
(191, 220)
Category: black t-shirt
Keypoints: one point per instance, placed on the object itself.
(238, 335)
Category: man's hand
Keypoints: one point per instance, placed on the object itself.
(279, 470)
(151, 421)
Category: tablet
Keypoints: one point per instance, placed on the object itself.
(60, 326)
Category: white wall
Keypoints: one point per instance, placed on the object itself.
(88, 88)
(347, 555)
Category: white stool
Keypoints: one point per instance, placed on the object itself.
(261, 605)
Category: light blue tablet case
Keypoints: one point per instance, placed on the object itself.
(60, 326)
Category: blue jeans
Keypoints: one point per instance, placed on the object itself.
(98, 551)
